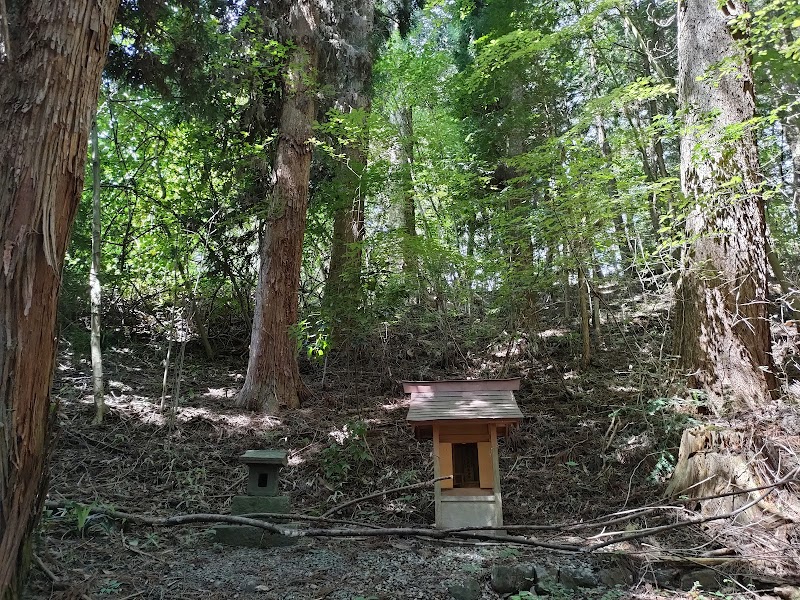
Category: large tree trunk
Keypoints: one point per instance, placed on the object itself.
(273, 377)
(343, 286)
(722, 332)
(352, 77)
(49, 80)
(748, 476)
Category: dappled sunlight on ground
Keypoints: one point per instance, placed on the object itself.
(592, 441)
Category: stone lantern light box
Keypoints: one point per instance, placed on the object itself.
(263, 467)
(464, 419)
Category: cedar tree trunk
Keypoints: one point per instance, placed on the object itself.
(352, 75)
(49, 81)
(343, 286)
(273, 377)
(722, 332)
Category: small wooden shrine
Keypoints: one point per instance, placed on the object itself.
(464, 419)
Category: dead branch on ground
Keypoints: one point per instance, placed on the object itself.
(468, 533)
(404, 488)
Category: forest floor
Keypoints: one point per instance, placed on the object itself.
(594, 442)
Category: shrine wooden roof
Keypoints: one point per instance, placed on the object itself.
(489, 400)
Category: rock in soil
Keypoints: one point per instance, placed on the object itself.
(510, 578)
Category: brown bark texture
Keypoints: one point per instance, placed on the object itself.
(273, 376)
(722, 332)
(49, 83)
(351, 74)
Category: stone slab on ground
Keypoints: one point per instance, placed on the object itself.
(251, 537)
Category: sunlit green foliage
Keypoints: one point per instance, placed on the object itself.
(512, 189)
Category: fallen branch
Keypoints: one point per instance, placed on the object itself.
(404, 488)
(310, 518)
(470, 533)
(133, 518)
(369, 531)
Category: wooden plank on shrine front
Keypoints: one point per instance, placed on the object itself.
(485, 465)
(446, 463)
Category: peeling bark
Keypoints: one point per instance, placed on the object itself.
(726, 470)
(722, 331)
(273, 376)
(48, 98)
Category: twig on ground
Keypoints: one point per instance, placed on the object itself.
(52, 576)
(404, 488)
(301, 517)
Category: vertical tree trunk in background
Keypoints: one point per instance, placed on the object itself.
(273, 377)
(48, 98)
(94, 285)
(594, 296)
(524, 299)
(517, 235)
(343, 286)
(583, 296)
(623, 244)
(722, 332)
(469, 269)
(405, 119)
(352, 77)
(790, 295)
(5, 36)
(791, 129)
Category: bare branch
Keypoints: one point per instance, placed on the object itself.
(404, 488)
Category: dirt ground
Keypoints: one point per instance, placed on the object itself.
(593, 443)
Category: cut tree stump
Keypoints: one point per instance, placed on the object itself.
(727, 471)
